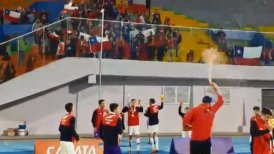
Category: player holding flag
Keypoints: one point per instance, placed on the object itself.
(133, 122)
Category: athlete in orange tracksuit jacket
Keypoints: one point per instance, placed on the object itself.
(260, 133)
(200, 120)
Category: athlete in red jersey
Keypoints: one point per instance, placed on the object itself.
(152, 113)
(257, 112)
(67, 130)
(97, 117)
(110, 128)
(260, 133)
(201, 120)
(133, 121)
(185, 133)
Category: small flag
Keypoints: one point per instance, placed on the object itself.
(12, 16)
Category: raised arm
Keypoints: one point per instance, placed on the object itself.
(220, 100)
(125, 109)
(180, 109)
(162, 102)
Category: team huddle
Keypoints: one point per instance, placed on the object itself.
(109, 125)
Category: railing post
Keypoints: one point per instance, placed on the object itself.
(101, 54)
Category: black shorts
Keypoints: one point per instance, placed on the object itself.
(200, 147)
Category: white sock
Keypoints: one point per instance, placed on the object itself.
(156, 142)
(151, 142)
(138, 144)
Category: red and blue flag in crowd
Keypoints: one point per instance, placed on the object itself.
(12, 16)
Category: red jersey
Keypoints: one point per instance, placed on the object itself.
(97, 117)
(261, 143)
(201, 119)
(133, 115)
(160, 40)
(110, 120)
(65, 121)
(67, 131)
(154, 108)
(110, 129)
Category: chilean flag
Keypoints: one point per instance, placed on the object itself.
(95, 44)
(12, 16)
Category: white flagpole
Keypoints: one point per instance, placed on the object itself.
(101, 54)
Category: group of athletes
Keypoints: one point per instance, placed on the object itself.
(196, 124)
(109, 125)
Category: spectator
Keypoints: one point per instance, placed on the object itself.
(161, 45)
(38, 34)
(178, 40)
(44, 18)
(222, 41)
(140, 37)
(142, 19)
(53, 39)
(71, 46)
(190, 57)
(156, 18)
(120, 47)
(170, 47)
(83, 47)
(151, 46)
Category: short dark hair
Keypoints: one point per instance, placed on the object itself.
(69, 107)
(152, 100)
(132, 100)
(113, 106)
(207, 99)
(101, 101)
(267, 111)
(256, 108)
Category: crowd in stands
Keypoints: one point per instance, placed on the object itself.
(130, 35)
(126, 40)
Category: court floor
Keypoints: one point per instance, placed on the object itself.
(240, 144)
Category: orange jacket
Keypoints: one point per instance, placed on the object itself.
(260, 137)
(201, 119)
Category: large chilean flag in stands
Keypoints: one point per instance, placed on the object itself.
(12, 16)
